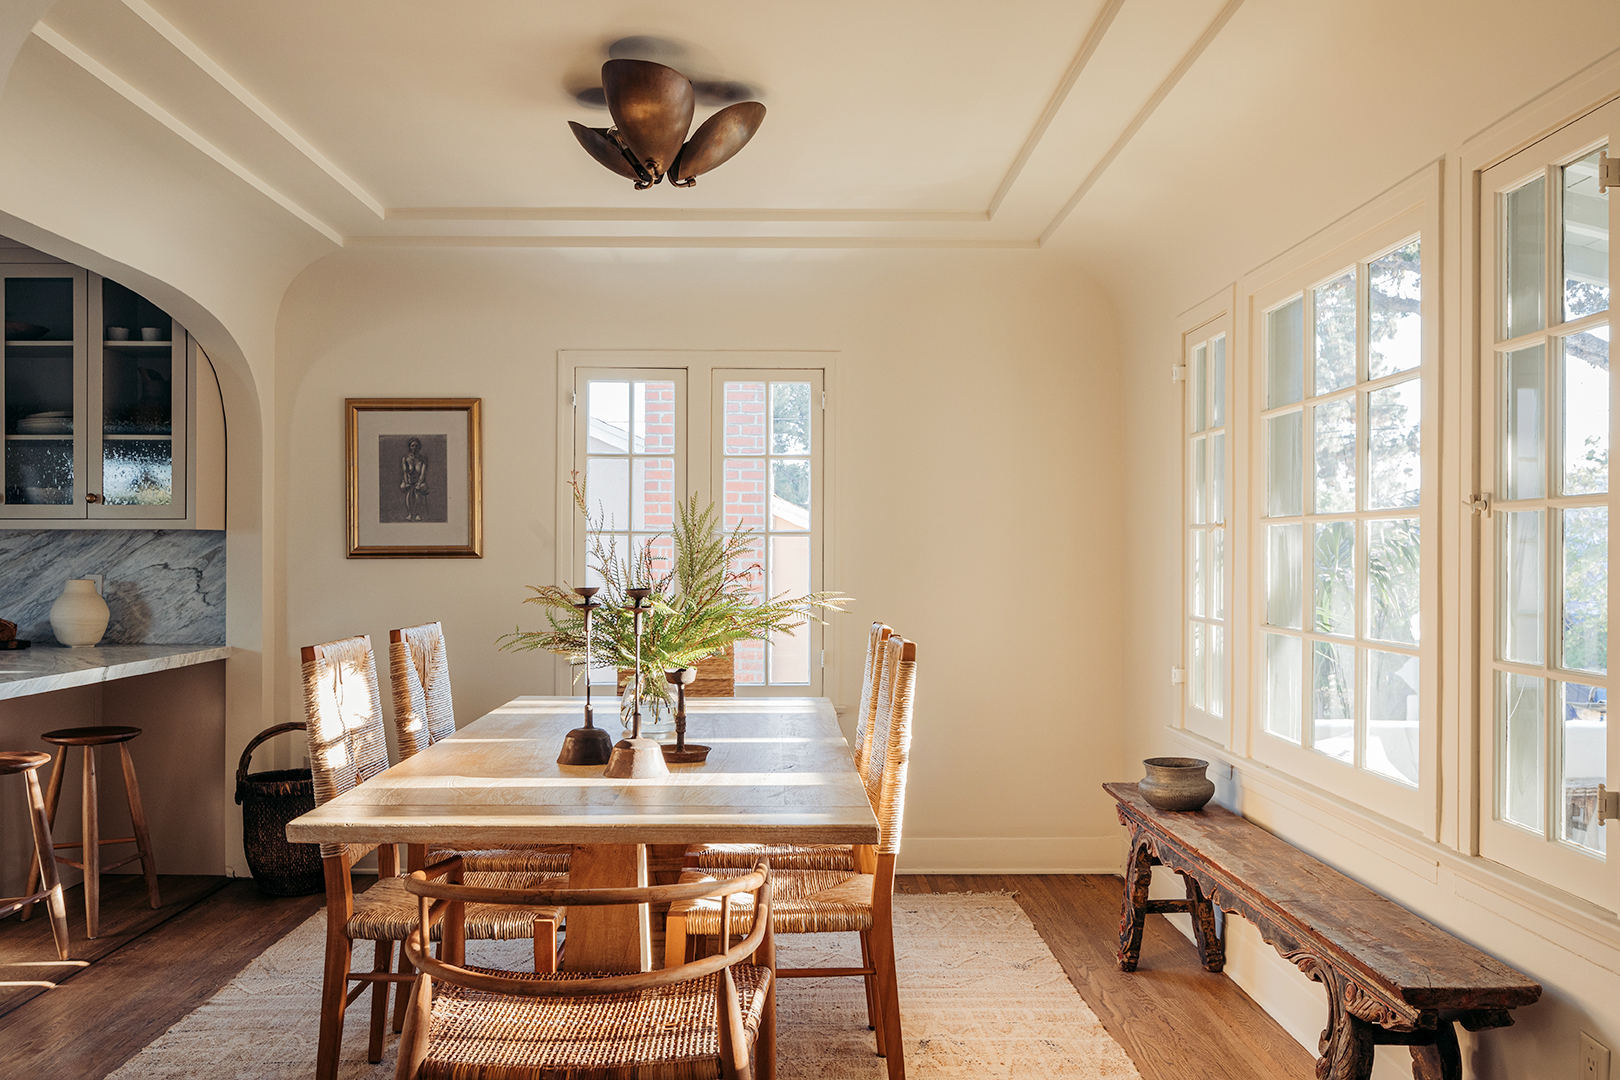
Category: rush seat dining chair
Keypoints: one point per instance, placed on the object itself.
(348, 746)
(811, 856)
(709, 1019)
(854, 901)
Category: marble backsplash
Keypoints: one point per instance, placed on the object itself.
(163, 587)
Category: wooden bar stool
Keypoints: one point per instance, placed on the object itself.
(25, 762)
(92, 843)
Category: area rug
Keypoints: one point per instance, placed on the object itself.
(980, 996)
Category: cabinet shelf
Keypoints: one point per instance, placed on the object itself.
(66, 436)
(136, 346)
(134, 438)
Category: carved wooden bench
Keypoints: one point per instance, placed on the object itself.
(1391, 977)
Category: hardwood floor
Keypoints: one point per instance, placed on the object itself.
(1177, 1021)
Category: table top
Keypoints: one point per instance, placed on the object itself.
(780, 772)
(55, 667)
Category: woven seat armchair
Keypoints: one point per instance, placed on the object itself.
(710, 1019)
(348, 745)
(858, 901)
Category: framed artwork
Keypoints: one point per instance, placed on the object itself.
(415, 478)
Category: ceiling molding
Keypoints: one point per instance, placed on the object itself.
(863, 242)
(1142, 116)
(157, 112)
(615, 213)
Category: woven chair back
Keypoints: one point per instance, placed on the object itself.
(348, 743)
(419, 668)
(871, 767)
(891, 742)
(869, 693)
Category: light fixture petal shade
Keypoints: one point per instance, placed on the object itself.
(600, 147)
(720, 137)
(652, 107)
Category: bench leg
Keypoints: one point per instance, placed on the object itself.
(1346, 1046)
(1138, 880)
(1210, 945)
(1442, 1061)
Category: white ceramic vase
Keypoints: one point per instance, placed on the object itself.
(79, 616)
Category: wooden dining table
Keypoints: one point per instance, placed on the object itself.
(780, 772)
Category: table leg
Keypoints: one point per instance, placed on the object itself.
(608, 938)
(1441, 1060)
(1138, 880)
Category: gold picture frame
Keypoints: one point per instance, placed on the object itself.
(416, 474)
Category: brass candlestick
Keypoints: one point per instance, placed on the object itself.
(588, 745)
(636, 758)
(681, 753)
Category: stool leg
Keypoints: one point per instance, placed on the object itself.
(137, 815)
(53, 792)
(45, 860)
(92, 847)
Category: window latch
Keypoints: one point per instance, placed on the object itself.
(1608, 808)
(1608, 172)
(1178, 373)
(1480, 504)
(1178, 676)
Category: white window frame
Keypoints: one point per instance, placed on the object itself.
(1410, 210)
(1203, 721)
(700, 373)
(1545, 857)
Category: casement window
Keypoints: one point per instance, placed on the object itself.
(750, 439)
(1344, 567)
(1204, 370)
(1547, 422)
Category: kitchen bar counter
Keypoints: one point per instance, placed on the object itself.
(54, 667)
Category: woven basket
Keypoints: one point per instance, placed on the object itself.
(269, 800)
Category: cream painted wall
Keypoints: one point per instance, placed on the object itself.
(977, 460)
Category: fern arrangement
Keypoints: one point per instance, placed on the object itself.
(700, 605)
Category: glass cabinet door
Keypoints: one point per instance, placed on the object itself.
(44, 391)
(137, 448)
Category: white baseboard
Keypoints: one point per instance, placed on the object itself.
(1011, 855)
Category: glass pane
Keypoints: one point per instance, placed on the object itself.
(1392, 580)
(1217, 381)
(789, 653)
(39, 389)
(1524, 258)
(652, 428)
(1198, 391)
(1198, 585)
(744, 482)
(1335, 594)
(1392, 716)
(1520, 745)
(39, 471)
(1285, 568)
(1196, 695)
(1217, 670)
(790, 495)
(790, 418)
(607, 406)
(1200, 485)
(1394, 312)
(1586, 589)
(652, 495)
(1522, 567)
(660, 546)
(1584, 743)
(1586, 412)
(1333, 699)
(607, 491)
(137, 394)
(1216, 556)
(44, 307)
(1586, 240)
(1285, 466)
(1335, 304)
(1394, 439)
(1335, 424)
(1285, 353)
(1283, 662)
(748, 657)
(1217, 477)
(137, 472)
(745, 418)
(1523, 452)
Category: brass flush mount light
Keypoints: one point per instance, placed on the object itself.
(652, 108)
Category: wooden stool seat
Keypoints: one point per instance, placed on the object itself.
(16, 761)
(91, 842)
(44, 861)
(90, 736)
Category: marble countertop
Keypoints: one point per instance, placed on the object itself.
(54, 667)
